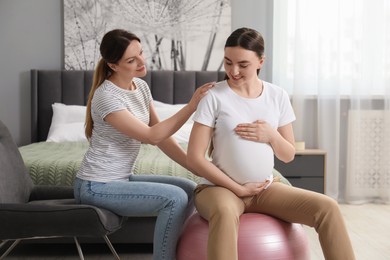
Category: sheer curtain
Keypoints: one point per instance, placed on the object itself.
(333, 57)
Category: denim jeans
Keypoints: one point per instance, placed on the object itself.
(171, 199)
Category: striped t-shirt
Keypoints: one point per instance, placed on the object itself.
(111, 154)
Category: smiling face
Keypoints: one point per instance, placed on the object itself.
(132, 63)
(241, 65)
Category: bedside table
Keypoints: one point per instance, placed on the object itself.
(307, 170)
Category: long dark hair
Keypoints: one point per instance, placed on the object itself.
(112, 48)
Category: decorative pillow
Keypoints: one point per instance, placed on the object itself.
(68, 121)
(165, 111)
(67, 124)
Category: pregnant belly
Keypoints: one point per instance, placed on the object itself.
(244, 161)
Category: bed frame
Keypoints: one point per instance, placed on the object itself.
(72, 88)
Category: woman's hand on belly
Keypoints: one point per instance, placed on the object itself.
(253, 188)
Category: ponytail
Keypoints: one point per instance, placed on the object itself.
(101, 73)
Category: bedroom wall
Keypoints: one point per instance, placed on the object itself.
(257, 14)
(31, 37)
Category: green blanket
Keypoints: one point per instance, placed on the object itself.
(56, 164)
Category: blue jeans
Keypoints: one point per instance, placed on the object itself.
(171, 199)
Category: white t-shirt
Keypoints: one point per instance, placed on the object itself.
(111, 155)
(223, 109)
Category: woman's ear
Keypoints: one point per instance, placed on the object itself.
(112, 66)
(261, 62)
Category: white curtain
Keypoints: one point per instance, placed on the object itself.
(333, 57)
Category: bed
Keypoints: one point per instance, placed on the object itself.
(57, 145)
(56, 162)
(48, 161)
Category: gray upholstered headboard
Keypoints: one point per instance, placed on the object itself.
(72, 88)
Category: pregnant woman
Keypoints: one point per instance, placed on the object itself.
(247, 121)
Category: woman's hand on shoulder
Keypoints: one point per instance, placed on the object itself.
(199, 94)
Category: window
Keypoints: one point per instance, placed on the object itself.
(332, 47)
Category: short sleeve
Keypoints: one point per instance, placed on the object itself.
(105, 102)
(207, 110)
(287, 114)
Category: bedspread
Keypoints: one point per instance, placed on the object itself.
(51, 163)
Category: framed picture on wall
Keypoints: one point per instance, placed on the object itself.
(175, 34)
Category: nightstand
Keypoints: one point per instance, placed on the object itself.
(307, 170)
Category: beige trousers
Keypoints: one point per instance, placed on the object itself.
(222, 208)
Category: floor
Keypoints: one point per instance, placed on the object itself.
(368, 226)
(69, 252)
(369, 229)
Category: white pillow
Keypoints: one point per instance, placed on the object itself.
(68, 121)
(183, 134)
(67, 124)
(165, 111)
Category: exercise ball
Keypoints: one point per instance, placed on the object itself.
(259, 237)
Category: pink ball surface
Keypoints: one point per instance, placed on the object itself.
(259, 237)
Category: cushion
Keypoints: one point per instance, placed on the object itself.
(15, 184)
(67, 123)
(165, 111)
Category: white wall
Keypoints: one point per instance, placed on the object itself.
(31, 37)
(256, 14)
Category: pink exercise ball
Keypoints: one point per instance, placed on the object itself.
(259, 237)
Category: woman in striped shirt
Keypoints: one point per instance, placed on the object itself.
(121, 116)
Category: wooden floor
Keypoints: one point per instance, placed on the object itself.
(369, 229)
(368, 226)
